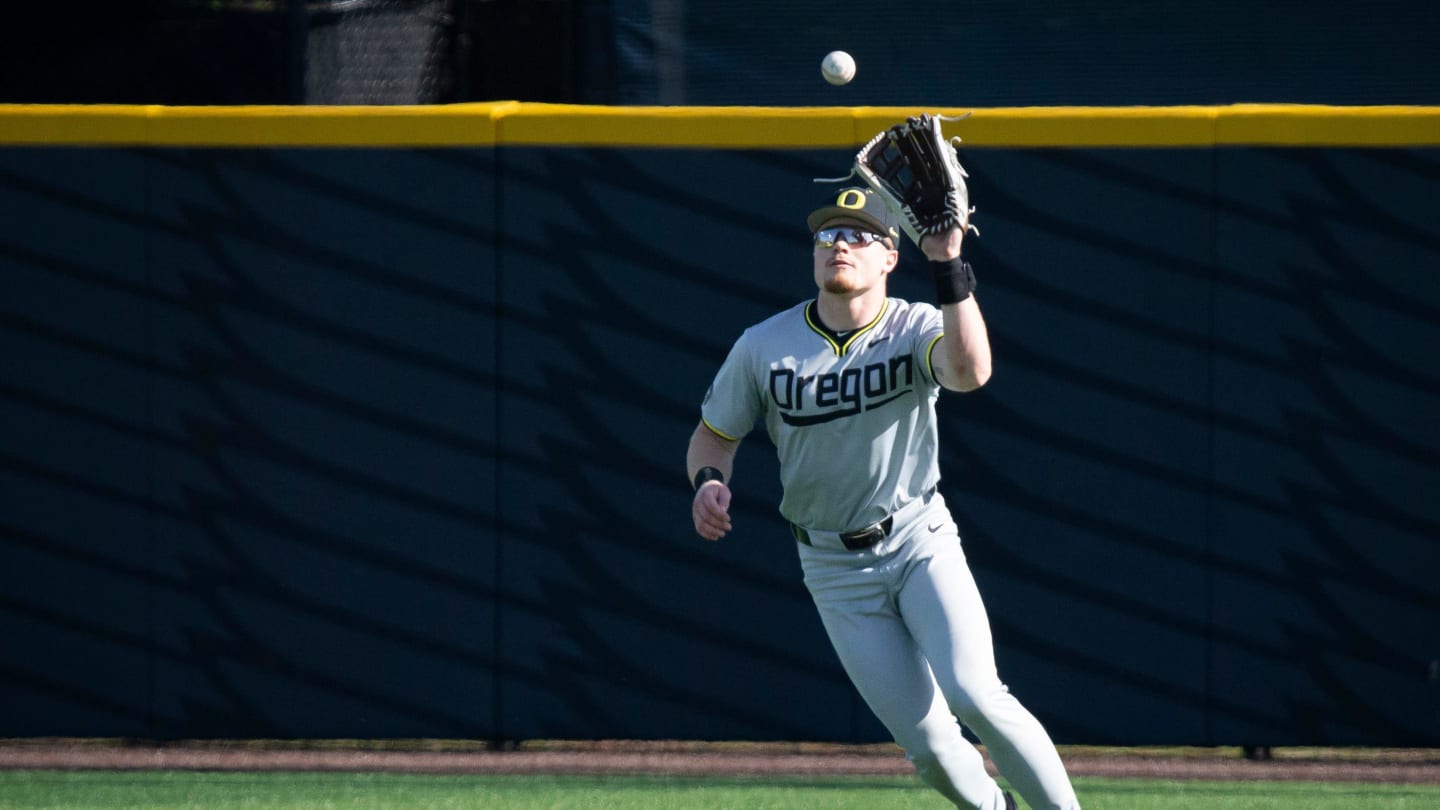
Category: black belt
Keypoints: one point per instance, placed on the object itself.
(856, 540)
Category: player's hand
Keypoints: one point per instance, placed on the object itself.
(943, 246)
(711, 510)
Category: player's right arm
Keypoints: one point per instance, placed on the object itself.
(961, 360)
(711, 506)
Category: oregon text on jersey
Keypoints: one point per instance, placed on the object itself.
(815, 399)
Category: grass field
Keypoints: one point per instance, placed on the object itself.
(166, 790)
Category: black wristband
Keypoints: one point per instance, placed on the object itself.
(708, 474)
(954, 280)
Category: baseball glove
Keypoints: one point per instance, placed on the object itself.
(918, 173)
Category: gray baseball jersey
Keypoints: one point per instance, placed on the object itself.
(833, 402)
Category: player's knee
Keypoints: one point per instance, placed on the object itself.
(975, 707)
(933, 740)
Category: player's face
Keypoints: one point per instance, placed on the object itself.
(852, 268)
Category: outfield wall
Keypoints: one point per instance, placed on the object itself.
(370, 422)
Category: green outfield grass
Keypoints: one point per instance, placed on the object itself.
(163, 790)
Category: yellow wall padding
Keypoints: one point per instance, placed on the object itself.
(511, 123)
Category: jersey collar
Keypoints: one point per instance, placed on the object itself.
(841, 345)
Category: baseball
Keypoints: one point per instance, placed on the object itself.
(838, 67)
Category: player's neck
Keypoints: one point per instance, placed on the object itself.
(842, 313)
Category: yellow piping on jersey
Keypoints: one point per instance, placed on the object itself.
(718, 432)
(841, 349)
(930, 356)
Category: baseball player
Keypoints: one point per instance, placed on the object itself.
(846, 385)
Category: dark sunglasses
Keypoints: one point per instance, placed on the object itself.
(827, 237)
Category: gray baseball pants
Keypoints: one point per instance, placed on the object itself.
(909, 626)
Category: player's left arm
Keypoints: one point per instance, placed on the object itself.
(961, 359)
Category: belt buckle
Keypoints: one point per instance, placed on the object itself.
(868, 536)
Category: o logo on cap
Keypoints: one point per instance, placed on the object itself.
(851, 198)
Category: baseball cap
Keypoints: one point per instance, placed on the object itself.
(860, 204)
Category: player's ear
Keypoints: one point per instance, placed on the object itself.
(892, 258)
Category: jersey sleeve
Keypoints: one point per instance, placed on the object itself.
(732, 404)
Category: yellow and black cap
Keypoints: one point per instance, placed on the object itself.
(860, 204)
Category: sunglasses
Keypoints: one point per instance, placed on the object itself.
(827, 237)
